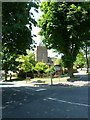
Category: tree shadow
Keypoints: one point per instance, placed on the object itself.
(13, 98)
(80, 77)
(14, 79)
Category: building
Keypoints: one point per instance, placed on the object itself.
(41, 54)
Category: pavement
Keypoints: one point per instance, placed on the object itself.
(20, 84)
(83, 80)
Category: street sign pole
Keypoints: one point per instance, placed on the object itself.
(51, 78)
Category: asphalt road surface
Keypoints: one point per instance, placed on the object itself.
(45, 102)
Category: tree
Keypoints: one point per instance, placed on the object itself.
(80, 60)
(58, 61)
(86, 35)
(50, 69)
(63, 25)
(86, 50)
(26, 62)
(16, 36)
(8, 62)
(41, 67)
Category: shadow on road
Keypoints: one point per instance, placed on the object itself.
(83, 77)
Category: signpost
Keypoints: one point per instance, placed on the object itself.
(57, 68)
(51, 78)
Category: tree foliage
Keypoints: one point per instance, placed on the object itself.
(41, 67)
(50, 69)
(64, 26)
(80, 60)
(26, 62)
(16, 36)
(58, 61)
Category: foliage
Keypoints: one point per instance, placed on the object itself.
(26, 62)
(51, 69)
(14, 25)
(80, 60)
(8, 62)
(89, 60)
(86, 49)
(16, 36)
(58, 61)
(64, 26)
(41, 67)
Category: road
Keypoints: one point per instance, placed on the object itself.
(83, 77)
(45, 102)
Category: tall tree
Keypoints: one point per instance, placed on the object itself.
(16, 35)
(80, 60)
(86, 49)
(63, 25)
(26, 62)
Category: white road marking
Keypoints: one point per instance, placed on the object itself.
(73, 103)
(40, 89)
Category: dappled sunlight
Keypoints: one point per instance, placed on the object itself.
(15, 98)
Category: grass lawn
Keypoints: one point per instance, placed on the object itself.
(48, 80)
(43, 80)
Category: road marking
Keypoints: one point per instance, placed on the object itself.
(40, 89)
(73, 103)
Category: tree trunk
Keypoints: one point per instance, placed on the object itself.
(87, 59)
(10, 77)
(70, 70)
(5, 75)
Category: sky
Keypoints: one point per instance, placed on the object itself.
(35, 31)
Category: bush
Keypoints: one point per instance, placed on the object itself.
(21, 74)
(30, 74)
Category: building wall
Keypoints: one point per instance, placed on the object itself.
(41, 54)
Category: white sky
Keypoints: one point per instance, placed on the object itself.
(35, 31)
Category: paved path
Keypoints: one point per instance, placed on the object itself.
(84, 80)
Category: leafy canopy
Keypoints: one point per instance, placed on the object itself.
(16, 36)
(41, 67)
(26, 62)
(80, 60)
(64, 26)
(61, 25)
(58, 61)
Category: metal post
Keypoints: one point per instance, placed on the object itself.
(59, 75)
(10, 77)
(51, 78)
